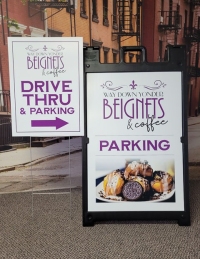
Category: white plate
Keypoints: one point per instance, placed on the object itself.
(99, 188)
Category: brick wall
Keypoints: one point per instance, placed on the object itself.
(69, 23)
(19, 12)
(151, 19)
(93, 31)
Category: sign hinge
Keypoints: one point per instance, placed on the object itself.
(87, 140)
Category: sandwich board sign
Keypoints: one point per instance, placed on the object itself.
(135, 154)
(46, 84)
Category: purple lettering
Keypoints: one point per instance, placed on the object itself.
(164, 145)
(61, 62)
(163, 112)
(54, 62)
(29, 87)
(132, 109)
(29, 63)
(55, 87)
(125, 145)
(68, 99)
(115, 104)
(35, 63)
(52, 99)
(150, 144)
(44, 99)
(141, 102)
(147, 103)
(113, 145)
(103, 143)
(105, 104)
(65, 86)
(32, 110)
(135, 144)
(41, 64)
(28, 96)
(39, 85)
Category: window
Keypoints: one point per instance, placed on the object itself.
(94, 11)
(105, 56)
(138, 58)
(96, 43)
(83, 9)
(162, 8)
(53, 33)
(115, 55)
(170, 11)
(130, 22)
(105, 13)
(160, 50)
(114, 24)
(105, 53)
(198, 22)
(177, 17)
(131, 57)
(186, 17)
(170, 5)
(71, 6)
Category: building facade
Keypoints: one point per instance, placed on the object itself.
(174, 22)
(108, 25)
(15, 21)
(104, 24)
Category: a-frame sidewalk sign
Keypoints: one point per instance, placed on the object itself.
(135, 147)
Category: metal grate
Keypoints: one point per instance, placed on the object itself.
(5, 101)
(6, 133)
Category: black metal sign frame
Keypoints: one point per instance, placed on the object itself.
(176, 63)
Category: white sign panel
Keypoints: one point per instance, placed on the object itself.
(46, 84)
(135, 160)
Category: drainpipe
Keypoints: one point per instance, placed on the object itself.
(2, 24)
(7, 17)
(45, 23)
(90, 22)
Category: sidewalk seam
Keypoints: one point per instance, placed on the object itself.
(37, 161)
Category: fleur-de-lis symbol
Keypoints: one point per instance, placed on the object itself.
(45, 48)
(133, 85)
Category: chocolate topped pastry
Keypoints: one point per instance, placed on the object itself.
(138, 168)
(132, 191)
(113, 183)
(162, 182)
(144, 182)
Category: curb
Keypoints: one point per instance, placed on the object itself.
(37, 161)
(9, 150)
(194, 163)
(193, 124)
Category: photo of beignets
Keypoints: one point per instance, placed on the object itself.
(113, 183)
(138, 168)
(162, 182)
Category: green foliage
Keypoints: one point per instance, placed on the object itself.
(11, 22)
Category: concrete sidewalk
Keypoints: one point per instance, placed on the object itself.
(193, 121)
(26, 156)
(194, 141)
